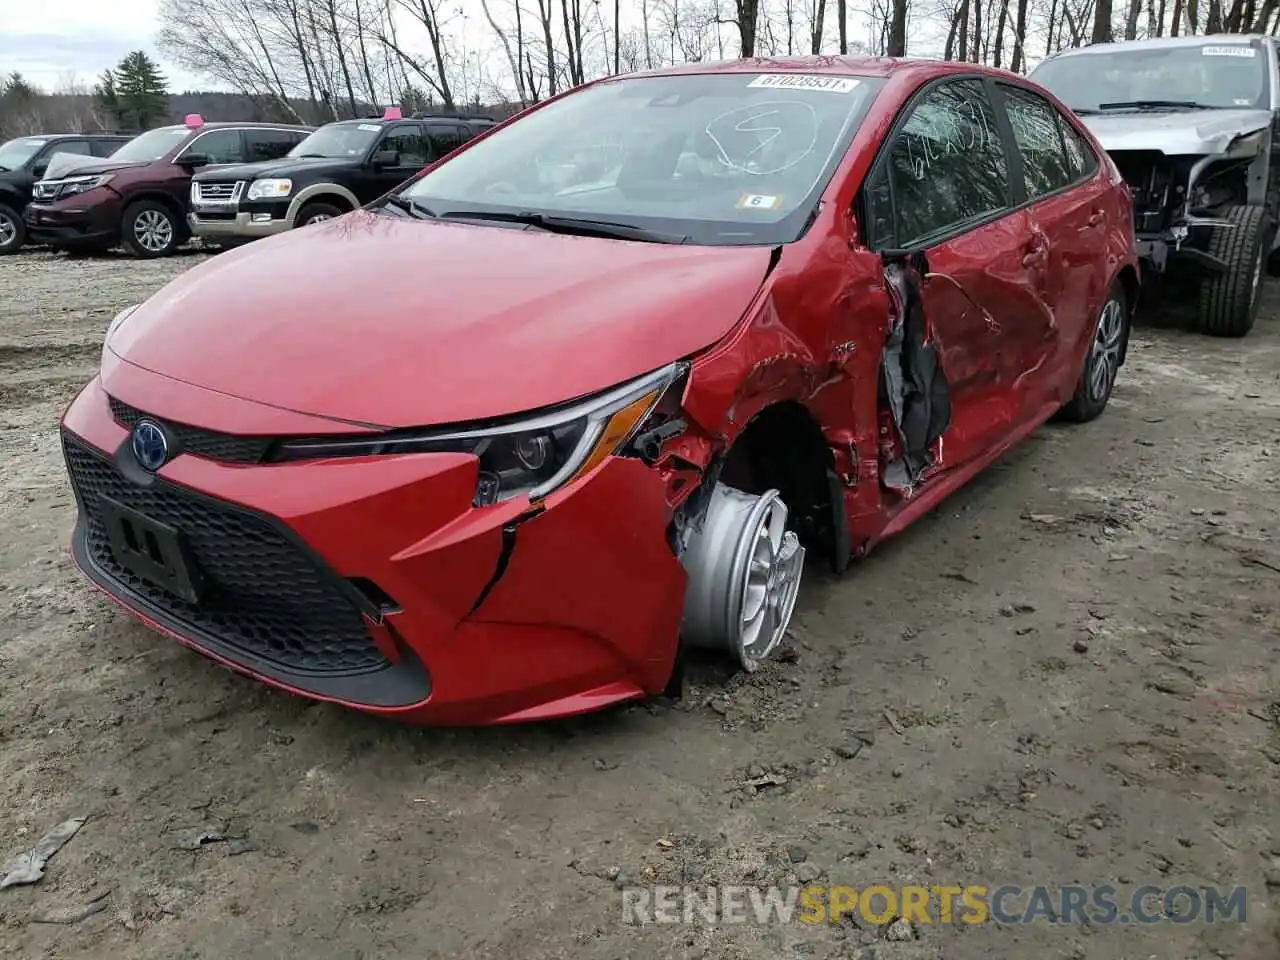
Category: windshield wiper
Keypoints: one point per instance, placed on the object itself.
(410, 206)
(1154, 105)
(571, 225)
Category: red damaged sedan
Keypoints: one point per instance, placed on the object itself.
(502, 444)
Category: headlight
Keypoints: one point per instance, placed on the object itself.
(535, 455)
(73, 185)
(119, 318)
(268, 189)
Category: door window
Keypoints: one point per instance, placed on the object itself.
(1038, 133)
(268, 144)
(409, 143)
(945, 167)
(220, 146)
(445, 138)
(105, 148)
(79, 147)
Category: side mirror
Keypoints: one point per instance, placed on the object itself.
(386, 158)
(38, 168)
(193, 160)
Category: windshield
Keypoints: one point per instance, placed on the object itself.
(151, 145)
(1221, 75)
(338, 140)
(17, 152)
(720, 159)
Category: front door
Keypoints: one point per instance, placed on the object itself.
(942, 188)
(412, 152)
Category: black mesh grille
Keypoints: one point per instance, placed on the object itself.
(267, 594)
(195, 440)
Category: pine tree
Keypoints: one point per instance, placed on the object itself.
(140, 91)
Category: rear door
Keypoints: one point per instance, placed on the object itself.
(942, 186)
(445, 138)
(1067, 209)
(267, 144)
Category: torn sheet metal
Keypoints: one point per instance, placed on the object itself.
(28, 867)
(914, 382)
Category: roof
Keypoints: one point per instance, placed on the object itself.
(89, 134)
(220, 124)
(825, 64)
(1159, 43)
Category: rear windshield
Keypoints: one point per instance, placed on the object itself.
(1220, 74)
(152, 145)
(731, 158)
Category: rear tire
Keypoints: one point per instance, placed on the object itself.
(13, 232)
(1102, 360)
(317, 213)
(150, 229)
(1229, 301)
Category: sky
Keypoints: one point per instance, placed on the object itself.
(52, 42)
(49, 40)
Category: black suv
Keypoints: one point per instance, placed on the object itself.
(339, 167)
(23, 161)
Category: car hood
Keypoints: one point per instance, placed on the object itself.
(393, 322)
(284, 167)
(63, 165)
(1185, 132)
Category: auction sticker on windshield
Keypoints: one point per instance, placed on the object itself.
(369, 127)
(804, 81)
(1234, 51)
(758, 201)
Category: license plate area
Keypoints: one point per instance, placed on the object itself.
(152, 550)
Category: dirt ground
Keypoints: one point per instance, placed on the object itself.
(1067, 674)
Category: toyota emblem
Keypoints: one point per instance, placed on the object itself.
(150, 445)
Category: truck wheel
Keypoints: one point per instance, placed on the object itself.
(316, 213)
(150, 229)
(13, 232)
(1101, 361)
(1229, 301)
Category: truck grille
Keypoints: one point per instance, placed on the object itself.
(227, 193)
(267, 594)
(197, 441)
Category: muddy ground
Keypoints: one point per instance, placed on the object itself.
(1068, 674)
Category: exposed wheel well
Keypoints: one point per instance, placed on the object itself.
(1132, 286)
(783, 448)
(332, 199)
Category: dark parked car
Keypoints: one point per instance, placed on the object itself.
(138, 195)
(1191, 123)
(339, 167)
(23, 161)
(503, 445)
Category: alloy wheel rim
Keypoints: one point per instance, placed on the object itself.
(8, 229)
(317, 218)
(771, 582)
(1104, 361)
(153, 230)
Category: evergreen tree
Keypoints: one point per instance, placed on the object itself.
(136, 93)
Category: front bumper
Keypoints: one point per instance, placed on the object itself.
(240, 226)
(371, 582)
(58, 224)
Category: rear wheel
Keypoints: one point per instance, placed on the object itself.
(1102, 361)
(13, 232)
(317, 213)
(1229, 301)
(150, 229)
